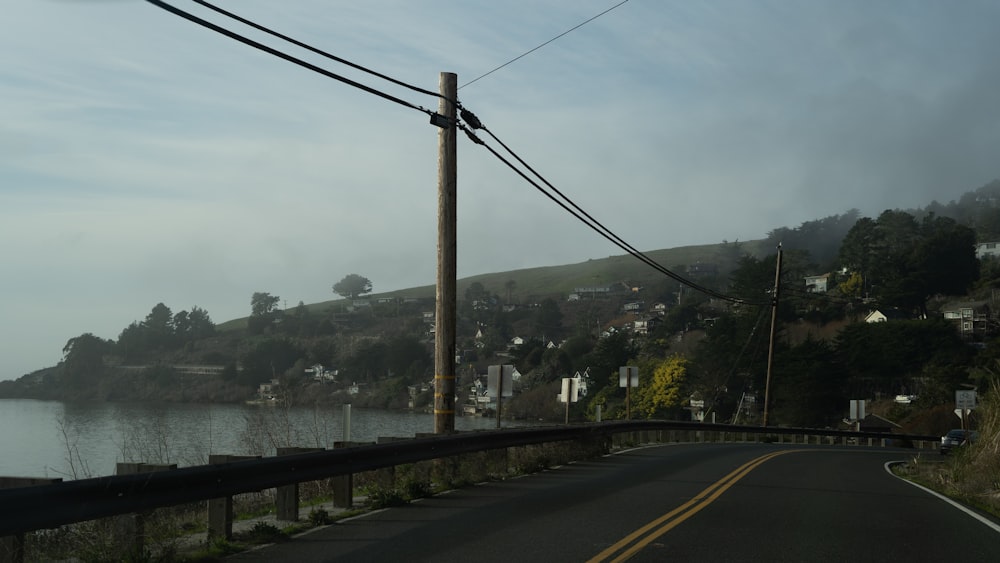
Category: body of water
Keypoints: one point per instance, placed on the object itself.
(79, 440)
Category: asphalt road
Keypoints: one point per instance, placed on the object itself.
(693, 502)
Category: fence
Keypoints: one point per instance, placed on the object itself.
(50, 505)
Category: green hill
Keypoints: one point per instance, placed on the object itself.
(536, 283)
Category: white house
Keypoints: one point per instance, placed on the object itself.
(883, 315)
(817, 284)
(984, 249)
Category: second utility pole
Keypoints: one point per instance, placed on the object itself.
(445, 295)
(770, 343)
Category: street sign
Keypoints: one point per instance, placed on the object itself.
(500, 378)
(965, 399)
(628, 376)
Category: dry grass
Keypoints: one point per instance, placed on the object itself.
(970, 474)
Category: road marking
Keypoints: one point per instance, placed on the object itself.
(637, 540)
(888, 468)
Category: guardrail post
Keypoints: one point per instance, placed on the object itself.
(220, 510)
(12, 547)
(343, 485)
(386, 477)
(131, 528)
(286, 500)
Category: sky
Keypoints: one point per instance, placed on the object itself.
(145, 159)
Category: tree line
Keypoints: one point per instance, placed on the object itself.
(702, 349)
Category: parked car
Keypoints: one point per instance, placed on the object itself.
(957, 437)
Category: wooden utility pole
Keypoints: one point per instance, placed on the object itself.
(770, 342)
(444, 317)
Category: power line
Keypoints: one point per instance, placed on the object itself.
(543, 44)
(308, 47)
(466, 116)
(281, 55)
(576, 211)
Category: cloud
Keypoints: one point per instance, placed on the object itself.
(144, 159)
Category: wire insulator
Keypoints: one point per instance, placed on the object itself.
(471, 119)
(473, 137)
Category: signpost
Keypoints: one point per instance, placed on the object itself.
(965, 401)
(500, 384)
(628, 377)
(570, 393)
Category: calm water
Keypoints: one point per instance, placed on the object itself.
(78, 440)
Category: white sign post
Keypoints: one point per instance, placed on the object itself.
(965, 401)
(628, 377)
(570, 393)
(499, 384)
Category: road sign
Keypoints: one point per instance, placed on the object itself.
(628, 376)
(965, 399)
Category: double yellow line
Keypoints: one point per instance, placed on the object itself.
(632, 543)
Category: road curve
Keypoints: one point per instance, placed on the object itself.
(691, 502)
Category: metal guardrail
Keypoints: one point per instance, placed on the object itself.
(39, 507)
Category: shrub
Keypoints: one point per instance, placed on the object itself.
(319, 517)
(262, 532)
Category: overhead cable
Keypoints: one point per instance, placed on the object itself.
(320, 52)
(467, 116)
(526, 53)
(595, 225)
(281, 55)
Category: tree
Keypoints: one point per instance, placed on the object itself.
(509, 285)
(83, 357)
(200, 325)
(609, 354)
(262, 312)
(406, 357)
(808, 386)
(902, 262)
(159, 327)
(661, 393)
(352, 286)
(267, 360)
(476, 292)
(852, 287)
(548, 318)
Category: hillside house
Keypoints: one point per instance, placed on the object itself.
(646, 325)
(972, 318)
(985, 249)
(633, 307)
(321, 374)
(817, 284)
(885, 314)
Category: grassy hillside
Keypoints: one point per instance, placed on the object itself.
(534, 283)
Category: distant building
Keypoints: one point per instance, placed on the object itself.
(817, 284)
(972, 317)
(646, 325)
(985, 249)
(885, 314)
